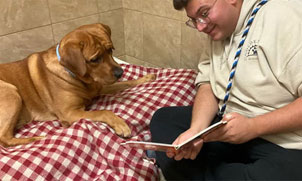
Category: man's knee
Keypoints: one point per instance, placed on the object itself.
(157, 121)
(168, 122)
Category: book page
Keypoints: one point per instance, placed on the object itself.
(164, 147)
(202, 133)
(150, 145)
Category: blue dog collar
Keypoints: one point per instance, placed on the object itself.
(59, 58)
(57, 51)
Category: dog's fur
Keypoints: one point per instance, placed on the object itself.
(41, 87)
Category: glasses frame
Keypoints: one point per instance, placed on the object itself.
(192, 23)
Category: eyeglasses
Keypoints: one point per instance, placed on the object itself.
(203, 16)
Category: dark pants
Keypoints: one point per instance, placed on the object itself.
(254, 160)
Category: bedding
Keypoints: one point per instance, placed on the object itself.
(91, 151)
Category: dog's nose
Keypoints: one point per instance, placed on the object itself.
(118, 72)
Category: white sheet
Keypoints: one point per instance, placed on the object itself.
(119, 61)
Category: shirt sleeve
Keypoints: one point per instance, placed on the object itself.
(291, 76)
(203, 75)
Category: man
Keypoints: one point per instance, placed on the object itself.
(263, 135)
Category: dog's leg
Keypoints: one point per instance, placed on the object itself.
(120, 86)
(118, 124)
(10, 107)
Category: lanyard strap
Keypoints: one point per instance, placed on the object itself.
(238, 52)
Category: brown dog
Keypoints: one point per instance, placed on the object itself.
(58, 83)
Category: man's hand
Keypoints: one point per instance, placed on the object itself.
(188, 151)
(239, 129)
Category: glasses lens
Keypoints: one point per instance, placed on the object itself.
(202, 21)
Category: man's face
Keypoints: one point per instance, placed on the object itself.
(222, 16)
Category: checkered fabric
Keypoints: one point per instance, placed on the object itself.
(91, 151)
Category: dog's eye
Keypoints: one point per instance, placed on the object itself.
(96, 60)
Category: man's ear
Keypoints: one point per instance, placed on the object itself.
(72, 58)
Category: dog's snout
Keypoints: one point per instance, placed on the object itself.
(118, 72)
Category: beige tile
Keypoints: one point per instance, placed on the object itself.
(162, 38)
(19, 15)
(19, 45)
(61, 10)
(133, 29)
(193, 44)
(133, 4)
(122, 57)
(114, 19)
(135, 61)
(144, 32)
(61, 29)
(161, 8)
(108, 5)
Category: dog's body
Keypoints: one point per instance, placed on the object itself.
(59, 84)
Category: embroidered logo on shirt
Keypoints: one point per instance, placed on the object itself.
(252, 49)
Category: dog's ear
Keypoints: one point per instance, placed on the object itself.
(107, 29)
(103, 32)
(72, 59)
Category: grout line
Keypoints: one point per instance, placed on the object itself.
(124, 29)
(19, 31)
(98, 10)
(154, 14)
(51, 23)
(98, 13)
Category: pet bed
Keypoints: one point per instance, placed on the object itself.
(91, 151)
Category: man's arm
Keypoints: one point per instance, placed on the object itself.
(204, 110)
(241, 129)
(285, 119)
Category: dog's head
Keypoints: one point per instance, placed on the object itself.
(87, 53)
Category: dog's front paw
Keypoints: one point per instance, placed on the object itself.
(147, 78)
(121, 128)
(65, 124)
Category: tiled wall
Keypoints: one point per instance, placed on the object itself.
(28, 26)
(146, 32)
(156, 33)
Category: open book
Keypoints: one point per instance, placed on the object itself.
(164, 147)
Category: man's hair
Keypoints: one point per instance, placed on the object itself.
(180, 4)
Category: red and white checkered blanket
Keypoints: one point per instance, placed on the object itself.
(91, 151)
